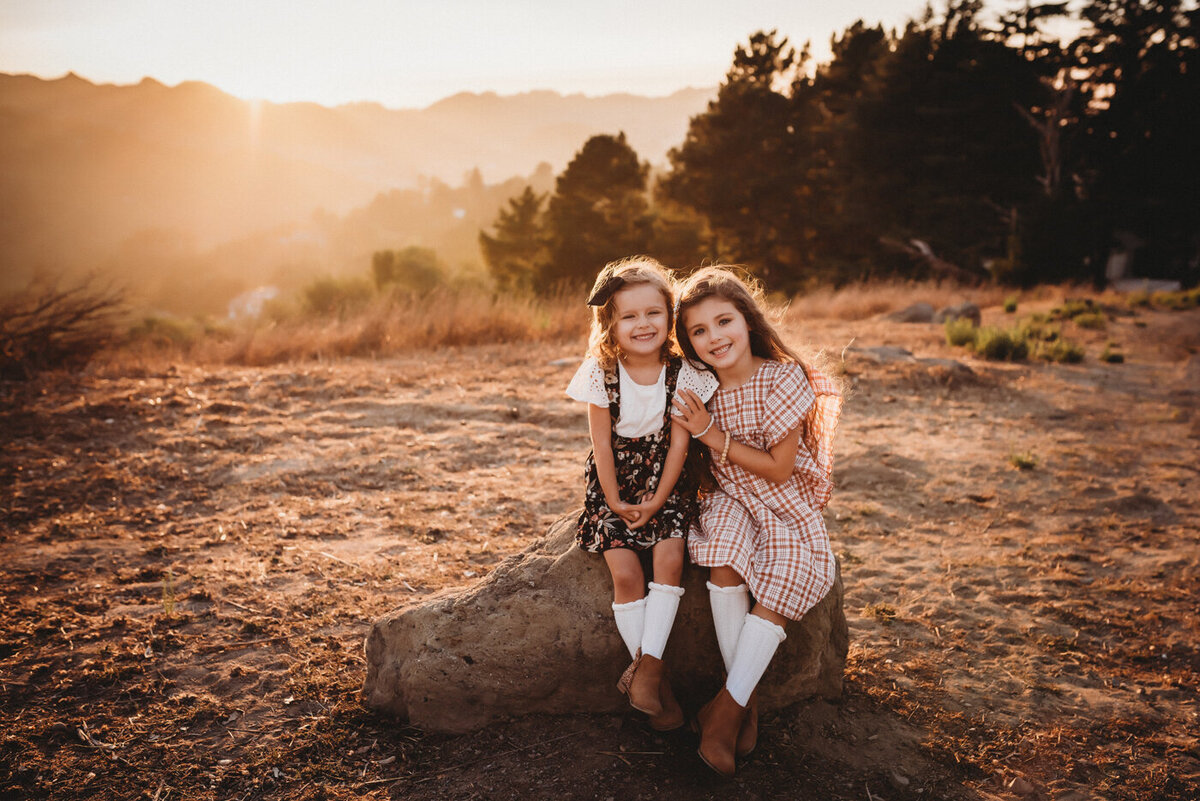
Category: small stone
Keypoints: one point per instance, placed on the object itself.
(1020, 786)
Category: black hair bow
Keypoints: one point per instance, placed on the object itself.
(605, 290)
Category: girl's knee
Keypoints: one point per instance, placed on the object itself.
(628, 580)
(668, 561)
(725, 576)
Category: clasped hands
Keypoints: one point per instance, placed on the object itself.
(635, 515)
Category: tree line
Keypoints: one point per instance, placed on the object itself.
(981, 147)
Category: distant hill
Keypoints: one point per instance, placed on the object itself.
(88, 171)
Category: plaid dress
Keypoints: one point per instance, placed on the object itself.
(639, 463)
(772, 534)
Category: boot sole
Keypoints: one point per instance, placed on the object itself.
(714, 768)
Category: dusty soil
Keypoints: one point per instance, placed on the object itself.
(192, 556)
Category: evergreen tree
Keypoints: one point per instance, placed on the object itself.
(599, 212)
(513, 254)
(736, 166)
(1142, 170)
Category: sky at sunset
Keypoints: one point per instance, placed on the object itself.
(410, 53)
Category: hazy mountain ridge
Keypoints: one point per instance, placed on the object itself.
(88, 166)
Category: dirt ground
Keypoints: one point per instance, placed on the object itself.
(192, 556)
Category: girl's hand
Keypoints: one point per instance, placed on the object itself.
(628, 512)
(691, 412)
(646, 510)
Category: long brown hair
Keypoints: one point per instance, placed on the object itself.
(730, 283)
(627, 272)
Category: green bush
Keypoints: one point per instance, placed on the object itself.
(413, 269)
(960, 333)
(1025, 460)
(1073, 307)
(1000, 345)
(1091, 320)
(1111, 355)
(1138, 300)
(1058, 350)
(1038, 329)
(1010, 304)
(1177, 301)
(163, 331)
(332, 296)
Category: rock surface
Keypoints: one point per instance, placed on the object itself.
(916, 313)
(536, 635)
(963, 311)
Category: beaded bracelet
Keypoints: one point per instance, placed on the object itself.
(705, 431)
(725, 450)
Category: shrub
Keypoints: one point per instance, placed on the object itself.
(1091, 320)
(331, 296)
(960, 333)
(1177, 301)
(163, 332)
(1000, 345)
(1058, 350)
(413, 269)
(1023, 461)
(1073, 307)
(1111, 355)
(1010, 304)
(1038, 329)
(44, 327)
(1138, 300)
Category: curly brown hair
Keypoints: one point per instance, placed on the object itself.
(629, 272)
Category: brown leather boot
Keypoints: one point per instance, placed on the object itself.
(671, 717)
(644, 686)
(720, 720)
(747, 737)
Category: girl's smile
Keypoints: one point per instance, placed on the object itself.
(640, 321)
(718, 332)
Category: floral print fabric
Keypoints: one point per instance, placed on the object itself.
(639, 464)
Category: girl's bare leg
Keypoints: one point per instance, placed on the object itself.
(629, 607)
(668, 561)
(725, 576)
(629, 583)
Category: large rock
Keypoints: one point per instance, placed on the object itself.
(536, 635)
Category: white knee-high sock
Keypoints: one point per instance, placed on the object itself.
(755, 648)
(661, 605)
(729, 608)
(631, 621)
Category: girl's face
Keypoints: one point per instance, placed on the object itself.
(719, 334)
(640, 320)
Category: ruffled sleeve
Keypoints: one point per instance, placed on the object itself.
(587, 385)
(702, 382)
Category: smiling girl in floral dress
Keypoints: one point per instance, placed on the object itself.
(639, 495)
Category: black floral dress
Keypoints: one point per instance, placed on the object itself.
(639, 464)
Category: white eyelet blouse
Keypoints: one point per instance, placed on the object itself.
(641, 404)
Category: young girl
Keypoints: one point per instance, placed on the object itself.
(769, 428)
(638, 497)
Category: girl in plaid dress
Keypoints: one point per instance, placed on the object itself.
(769, 429)
(639, 496)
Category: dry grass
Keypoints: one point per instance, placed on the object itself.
(394, 324)
(860, 301)
(386, 326)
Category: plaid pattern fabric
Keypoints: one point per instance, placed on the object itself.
(773, 535)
